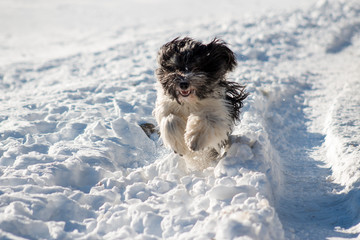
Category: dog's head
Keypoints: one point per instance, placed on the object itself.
(190, 69)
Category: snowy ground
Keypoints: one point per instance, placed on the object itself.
(76, 79)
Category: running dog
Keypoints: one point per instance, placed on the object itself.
(196, 107)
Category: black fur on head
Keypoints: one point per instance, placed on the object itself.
(189, 64)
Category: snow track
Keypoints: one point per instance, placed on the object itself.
(314, 126)
(74, 163)
(309, 204)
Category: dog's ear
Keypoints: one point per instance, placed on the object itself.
(218, 49)
(166, 53)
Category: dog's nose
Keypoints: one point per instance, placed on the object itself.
(184, 85)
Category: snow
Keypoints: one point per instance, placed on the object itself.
(77, 79)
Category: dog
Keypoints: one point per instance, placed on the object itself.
(196, 107)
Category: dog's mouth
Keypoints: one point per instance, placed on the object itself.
(185, 93)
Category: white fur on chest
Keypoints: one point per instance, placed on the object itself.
(194, 126)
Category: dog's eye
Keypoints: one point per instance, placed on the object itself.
(181, 44)
(169, 68)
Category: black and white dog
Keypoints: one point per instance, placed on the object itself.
(196, 107)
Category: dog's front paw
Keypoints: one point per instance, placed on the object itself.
(193, 143)
(194, 133)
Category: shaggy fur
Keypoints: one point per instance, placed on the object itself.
(196, 106)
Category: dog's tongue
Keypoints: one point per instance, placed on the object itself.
(185, 92)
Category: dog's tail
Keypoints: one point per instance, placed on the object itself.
(235, 95)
